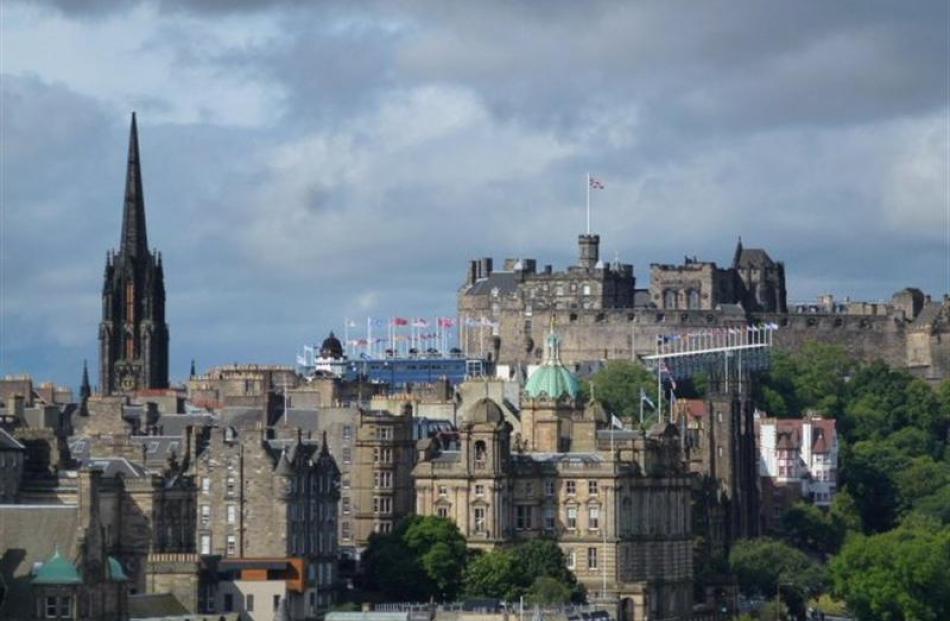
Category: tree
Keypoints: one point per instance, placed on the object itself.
(808, 528)
(422, 558)
(900, 575)
(617, 387)
(548, 591)
(761, 565)
(513, 572)
(920, 478)
(867, 474)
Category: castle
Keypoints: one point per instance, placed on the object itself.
(601, 314)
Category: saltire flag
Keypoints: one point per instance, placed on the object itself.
(644, 397)
(596, 184)
(615, 422)
(400, 321)
(446, 322)
(420, 323)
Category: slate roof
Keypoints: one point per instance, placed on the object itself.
(8, 442)
(754, 257)
(505, 282)
(31, 534)
(153, 605)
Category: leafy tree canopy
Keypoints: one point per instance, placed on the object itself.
(509, 573)
(762, 564)
(617, 387)
(900, 575)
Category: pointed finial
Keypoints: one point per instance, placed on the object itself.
(325, 449)
(192, 372)
(84, 389)
(134, 241)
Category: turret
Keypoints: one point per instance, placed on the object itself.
(589, 245)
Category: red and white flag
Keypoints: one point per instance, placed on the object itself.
(596, 184)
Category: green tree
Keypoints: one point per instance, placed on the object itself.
(935, 506)
(761, 565)
(920, 478)
(547, 591)
(808, 528)
(513, 572)
(617, 387)
(867, 473)
(422, 558)
(493, 574)
(900, 575)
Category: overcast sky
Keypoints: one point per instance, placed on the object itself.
(307, 161)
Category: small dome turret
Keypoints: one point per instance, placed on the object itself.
(552, 380)
(331, 348)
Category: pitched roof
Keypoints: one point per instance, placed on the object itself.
(754, 257)
(8, 442)
(151, 605)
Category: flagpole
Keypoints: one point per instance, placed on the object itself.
(588, 203)
(369, 337)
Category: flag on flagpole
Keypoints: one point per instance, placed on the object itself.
(596, 184)
(645, 399)
(420, 323)
(665, 369)
(400, 321)
(615, 422)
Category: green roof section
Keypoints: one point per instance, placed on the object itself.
(552, 380)
(57, 570)
(116, 573)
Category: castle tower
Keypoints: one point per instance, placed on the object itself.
(133, 335)
(589, 246)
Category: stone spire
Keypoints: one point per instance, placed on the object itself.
(192, 373)
(85, 391)
(738, 255)
(134, 242)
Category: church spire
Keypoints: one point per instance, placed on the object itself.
(134, 241)
(85, 391)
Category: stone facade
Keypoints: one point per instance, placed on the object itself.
(133, 335)
(617, 501)
(505, 313)
(263, 497)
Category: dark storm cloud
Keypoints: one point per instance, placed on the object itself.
(389, 142)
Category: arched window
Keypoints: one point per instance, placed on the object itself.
(692, 300)
(669, 298)
(480, 452)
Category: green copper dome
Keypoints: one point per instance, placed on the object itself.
(57, 570)
(116, 573)
(552, 380)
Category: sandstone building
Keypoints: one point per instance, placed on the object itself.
(602, 314)
(617, 501)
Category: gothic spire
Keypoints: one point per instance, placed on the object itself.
(85, 391)
(134, 241)
(738, 254)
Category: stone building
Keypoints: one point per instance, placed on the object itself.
(133, 335)
(261, 497)
(601, 315)
(617, 501)
(56, 560)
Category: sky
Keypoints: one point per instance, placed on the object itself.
(304, 162)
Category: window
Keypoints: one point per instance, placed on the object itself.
(549, 518)
(480, 453)
(549, 488)
(386, 456)
(206, 485)
(720, 451)
(249, 603)
(384, 433)
(571, 488)
(345, 502)
(529, 488)
(345, 529)
(228, 602)
(345, 483)
(65, 603)
(479, 490)
(479, 519)
(586, 290)
(382, 504)
(205, 515)
(232, 545)
(231, 486)
(572, 560)
(522, 517)
(232, 514)
(51, 607)
(592, 488)
(276, 602)
(572, 518)
(593, 518)
(591, 558)
(206, 544)
(443, 490)
(347, 455)
(347, 432)
(383, 480)
(442, 512)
